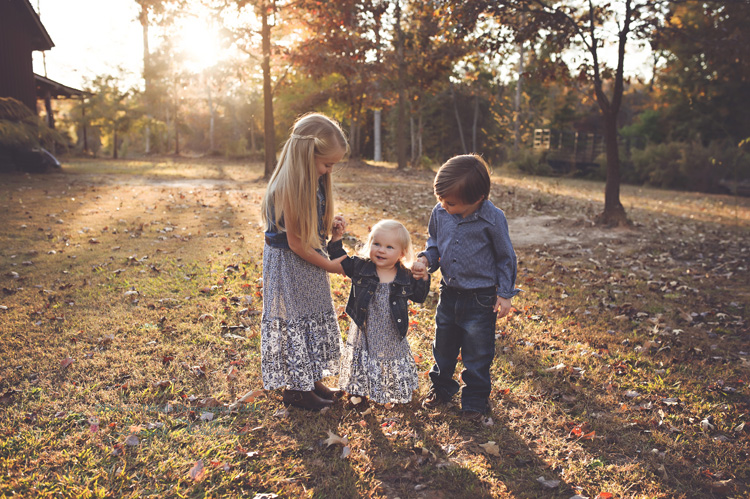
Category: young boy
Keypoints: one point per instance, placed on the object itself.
(469, 242)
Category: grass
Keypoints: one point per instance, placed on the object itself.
(130, 325)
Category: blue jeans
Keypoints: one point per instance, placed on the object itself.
(465, 324)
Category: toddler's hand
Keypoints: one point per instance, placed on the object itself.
(419, 270)
(339, 227)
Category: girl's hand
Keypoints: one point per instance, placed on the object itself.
(335, 266)
(502, 306)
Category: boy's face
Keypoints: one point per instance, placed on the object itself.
(455, 206)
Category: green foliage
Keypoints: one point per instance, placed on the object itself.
(22, 129)
(532, 162)
(690, 165)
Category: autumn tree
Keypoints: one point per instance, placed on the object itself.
(256, 40)
(704, 80)
(111, 108)
(339, 38)
(590, 27)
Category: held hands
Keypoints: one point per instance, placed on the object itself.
(339, 227)
(502, 306)
(419, 268)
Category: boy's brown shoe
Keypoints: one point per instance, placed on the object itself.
(434, 399)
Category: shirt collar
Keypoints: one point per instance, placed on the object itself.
(484, 212)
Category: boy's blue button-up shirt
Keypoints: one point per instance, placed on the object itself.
(473, 252)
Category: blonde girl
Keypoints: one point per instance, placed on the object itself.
(300, 337)
(377, 362)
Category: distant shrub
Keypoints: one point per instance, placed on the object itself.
(689, 165)
(532, 162)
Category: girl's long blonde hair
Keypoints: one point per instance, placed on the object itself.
(402, 234)
(293, 184)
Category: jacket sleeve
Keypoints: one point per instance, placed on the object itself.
(421, 289)
(336, 249)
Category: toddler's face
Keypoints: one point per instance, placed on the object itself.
(385, 249)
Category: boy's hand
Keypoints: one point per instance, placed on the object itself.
(502, 306)
(339, 227)
(419, 270)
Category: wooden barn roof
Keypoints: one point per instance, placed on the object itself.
(40, 39)
(55, 89)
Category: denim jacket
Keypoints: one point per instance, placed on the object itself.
(365, 281)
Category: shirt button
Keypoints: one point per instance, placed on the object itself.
(454, 260)
(394, 302)
(399, 320)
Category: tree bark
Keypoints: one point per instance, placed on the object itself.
(458, 120)
(401, 109)
(378, 153)
(269, 135)
(517, 103)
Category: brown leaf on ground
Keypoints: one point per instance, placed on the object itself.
(198, 472)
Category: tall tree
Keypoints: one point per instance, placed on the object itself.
(591, 27)
(245, 36)
(340, 39)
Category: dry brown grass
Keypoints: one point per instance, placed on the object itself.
(623, 369)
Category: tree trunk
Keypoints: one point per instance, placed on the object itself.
(378, 153)
(400, 138)
(474, 124)
(517, 104)
(614, 212)
(269, 138)
(212, 118)
(146, 78)
(458, 120)
(114, 143)
(85, 127)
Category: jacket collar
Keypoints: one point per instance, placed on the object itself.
(402, 275)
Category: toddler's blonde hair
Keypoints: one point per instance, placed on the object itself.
(404, 239)
(293, 183)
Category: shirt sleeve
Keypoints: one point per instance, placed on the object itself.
(431, 252)
(506, 265)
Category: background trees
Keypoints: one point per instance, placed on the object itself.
(451, 77)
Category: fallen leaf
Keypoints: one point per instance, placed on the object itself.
(550, 484)
(490, 448)
(198, 472)
(356, 400)
(131, 440)
(67, 361)
(335, 439)
(345, 452)
(207, 416)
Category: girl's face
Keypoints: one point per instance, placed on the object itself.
(385, 249)
(324, 164)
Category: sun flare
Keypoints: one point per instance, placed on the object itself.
(201, 43)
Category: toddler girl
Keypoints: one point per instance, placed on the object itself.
(377, 362)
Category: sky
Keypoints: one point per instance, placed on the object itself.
(91, 37)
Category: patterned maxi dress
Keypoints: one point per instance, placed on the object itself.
(300, 336)
(377, 361)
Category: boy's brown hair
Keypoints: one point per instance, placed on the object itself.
(467, 177)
